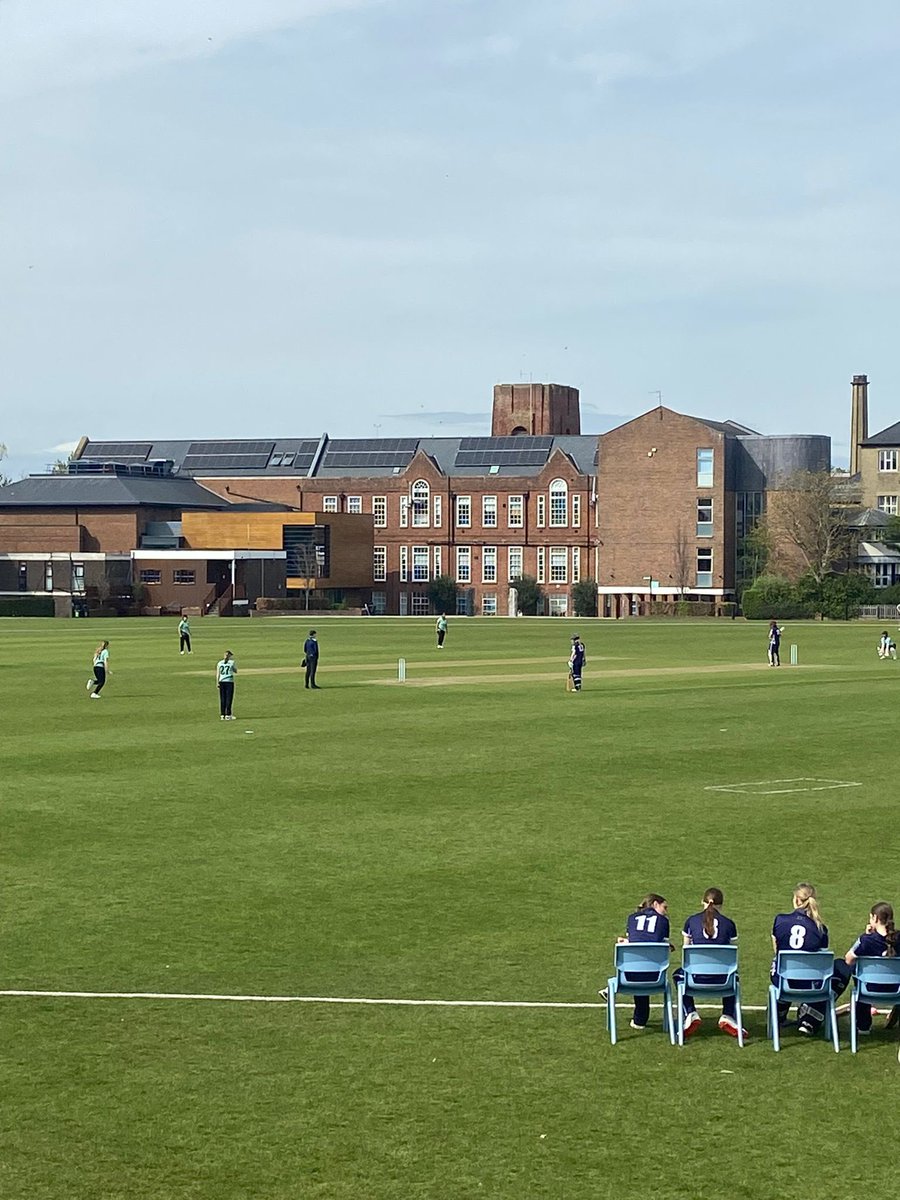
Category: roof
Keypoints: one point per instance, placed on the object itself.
(887, 437)
(100, 491)
(338, 458)
(868, 518)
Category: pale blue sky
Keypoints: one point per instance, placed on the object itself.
(224, 218)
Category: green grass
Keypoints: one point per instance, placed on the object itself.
(482, 838)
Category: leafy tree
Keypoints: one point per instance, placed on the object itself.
(837, 597)
(584, 598)
(806, 524)
(442, 594)
(529, 595)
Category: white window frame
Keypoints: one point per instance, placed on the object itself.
(541, 511)
(420, 502)
(489, 604)
(706, 476)
(184, 571)
(576, 510)
(489, 512)
(420, 564)
(489, 564)
(515, 512)
(888, 504)
(404, 564)
(463, 564)
(404, 512)
(559, 564)
(437, 510)
(576, 564)
(379, 511)
(330, 504)
(541, 564)
(379, 603)
(515, 563)
(463, 509)
(705, 528)
(704, 578)
(354, 504)
(146, 572)
(437, 561)
(559, 504)
(887, 460)
(379, 563)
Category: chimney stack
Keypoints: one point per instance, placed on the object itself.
(859, 418)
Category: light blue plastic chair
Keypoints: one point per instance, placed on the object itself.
(641, 958)
(804, 978)
(717, 965)
(877, 973)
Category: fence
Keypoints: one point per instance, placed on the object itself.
(880, 612)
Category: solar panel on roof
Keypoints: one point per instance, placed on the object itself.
(372, 445)
(501, 458)
(354, 460)
(521, 443)
(119, 450)
(225, 462)
(205, 449)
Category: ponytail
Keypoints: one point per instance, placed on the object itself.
(884, 915)
(712, 898)
(805, 899)
(649, 900)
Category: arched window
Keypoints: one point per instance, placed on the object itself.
(419, 498)
(559, 502)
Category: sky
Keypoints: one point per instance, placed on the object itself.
(277, 218)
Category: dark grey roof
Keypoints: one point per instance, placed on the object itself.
(101, 491)
(868, 518)
(343, 458)
(887, 437)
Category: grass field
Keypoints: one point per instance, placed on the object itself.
(474, 834)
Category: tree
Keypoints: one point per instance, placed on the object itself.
(307, 568)
(529, 595)
(584, 598)
(805, 525)
(4, 479)
(442, 593)
(683, 554)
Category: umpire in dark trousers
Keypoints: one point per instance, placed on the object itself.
(311, 659)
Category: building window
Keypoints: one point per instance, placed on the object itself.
(888, 504)
(420, 498)
(329, 504)
(379, 603)
(541, 565)
(559, 564)
(151, 576)
(463, 511)
(887, 460)
(438, 515)
(541, 511)
(704, 518)
(184, 576)
(464, 564)
(559, 503)
(379, 563)
(48, 576)
(437, 561)
(489, 512)
(23, 576)
(379, 511)
(420, 564)
(557, 606)
(404, 516)
(421, 605)
(884, 575)
(489, 606)
(704, 567)
(354, 504)
(576, 510)
(515, 509)
(705, 468)
(749, 510)
(78, 577)
(576, 564)
(515, 563)
(404, 564)
(489, 564)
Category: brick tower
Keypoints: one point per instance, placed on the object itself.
(535, 409)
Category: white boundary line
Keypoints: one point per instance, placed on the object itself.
(741, 788)
(332, 1000)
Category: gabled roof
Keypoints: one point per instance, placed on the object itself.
(887, 437)
(101, 491)
(868, 518)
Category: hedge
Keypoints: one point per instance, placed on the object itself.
(27, 606)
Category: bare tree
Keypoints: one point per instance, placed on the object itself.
(3, 478)
(307, 567)
(805, 524)
(682, 552)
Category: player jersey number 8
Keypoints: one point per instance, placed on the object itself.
(798, 937)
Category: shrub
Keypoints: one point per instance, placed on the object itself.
(529, 595)
(442, 594)
(773, 596)
(27, 606)
(584, 598)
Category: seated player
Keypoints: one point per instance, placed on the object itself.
(802, 929)
(709, 927)
(648, 923)
(879, 940)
